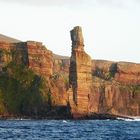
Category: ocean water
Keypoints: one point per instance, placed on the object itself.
(70, 129)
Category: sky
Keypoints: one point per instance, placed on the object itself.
(111, 28)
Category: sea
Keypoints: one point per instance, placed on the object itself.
(20, 129)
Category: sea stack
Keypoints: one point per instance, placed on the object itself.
(80, 75)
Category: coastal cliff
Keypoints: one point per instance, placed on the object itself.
(101, 87)
(116, 88)
(35, 82)
(29, 86)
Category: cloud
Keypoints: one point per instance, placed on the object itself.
(45, 2)
(77, 3)
(119, 3)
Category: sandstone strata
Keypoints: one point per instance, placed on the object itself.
(128, 73)
(39, 58)
(90, 86)
(61, 64)
(32, 54)
(80, 76)
(100, 86)
(123, 72)
(116, 88)
(111, 97)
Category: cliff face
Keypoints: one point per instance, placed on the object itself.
(60, 79)
(32, 54)
(61, 64)
(101, 87)
(30, 69)
(116, 88)
(128, 73)
(114, 98)
(35, 81)
(39, 58)
(123, 72)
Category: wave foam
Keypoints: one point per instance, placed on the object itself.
(129, 119)
(64, 121)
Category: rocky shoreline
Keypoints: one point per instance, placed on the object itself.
(93, 116)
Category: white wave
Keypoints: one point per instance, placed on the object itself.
(18, 119)
(64, 121)
(129, 119)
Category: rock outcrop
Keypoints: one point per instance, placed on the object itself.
(116, 88)
(32, 54)
(128, 73)
(80, 75)
(39, 58)
(123, 72)
(111, 97)
(34, 58)
(61, 64)
(89, 87)
(99, 86)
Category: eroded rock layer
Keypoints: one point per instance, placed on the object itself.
(40, 59)
(32, 54)
(102, 87)
(116, 88)
(80, 74)
(50, 82)
(87, 86)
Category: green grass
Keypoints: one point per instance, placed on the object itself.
(22, 91)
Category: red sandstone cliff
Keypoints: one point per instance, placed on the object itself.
(103, 87)
(80, 74)
(38, 58)
(91, 86)
(30, 53)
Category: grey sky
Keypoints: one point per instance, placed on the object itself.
(44, 2)
(73, 2)
(111, 27)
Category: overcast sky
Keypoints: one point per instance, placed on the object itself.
(111, 28)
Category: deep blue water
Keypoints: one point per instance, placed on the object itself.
(79, 129)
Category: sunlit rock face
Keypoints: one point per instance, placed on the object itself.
(99, 86)
(114, 98)
(35, 56)
(40, 59)
(80, 76)
(88, 86)
(128, 73)
(32, 54)
(115, 89)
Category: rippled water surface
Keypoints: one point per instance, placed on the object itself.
(61, 129)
